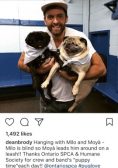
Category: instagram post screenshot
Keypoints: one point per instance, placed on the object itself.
(58, 83)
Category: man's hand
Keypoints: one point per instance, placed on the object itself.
(46, 66)
(67, 76)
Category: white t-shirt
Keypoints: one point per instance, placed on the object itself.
(61, 87)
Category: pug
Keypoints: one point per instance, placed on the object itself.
(36, 53)
(73, 53)
(37, 50)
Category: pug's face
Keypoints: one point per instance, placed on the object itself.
(74, 45)
(38, 39)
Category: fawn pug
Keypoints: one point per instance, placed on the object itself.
(73, 53)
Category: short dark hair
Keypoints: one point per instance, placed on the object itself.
(55, 7)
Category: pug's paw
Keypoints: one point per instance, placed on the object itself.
(70, 110)
(75, 90)
(45, 84)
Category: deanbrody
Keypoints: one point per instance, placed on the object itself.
(19, 142)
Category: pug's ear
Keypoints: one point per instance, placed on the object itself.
(83, 40)
(28, 39)
(65, 37)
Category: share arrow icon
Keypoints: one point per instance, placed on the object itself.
(39, 120)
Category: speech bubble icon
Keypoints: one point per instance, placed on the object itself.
(109, 121)
(24, 122)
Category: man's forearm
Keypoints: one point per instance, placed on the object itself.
(97, 68)
(21, 64)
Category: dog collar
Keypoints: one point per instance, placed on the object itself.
(77, 61)
(31, 53)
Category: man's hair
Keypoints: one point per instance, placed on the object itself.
(55, 7)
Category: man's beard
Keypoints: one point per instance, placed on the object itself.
(56, 33)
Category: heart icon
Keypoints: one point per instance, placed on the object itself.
(9, 121)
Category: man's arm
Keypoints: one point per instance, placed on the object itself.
(96, 70)
(45, 67)
(21, 64)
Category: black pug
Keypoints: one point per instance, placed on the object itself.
(37, 52)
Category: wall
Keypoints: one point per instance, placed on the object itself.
(27, 10)
(100, 19)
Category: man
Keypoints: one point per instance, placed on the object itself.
(55, 18)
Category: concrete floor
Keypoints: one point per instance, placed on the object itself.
(29, 103)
